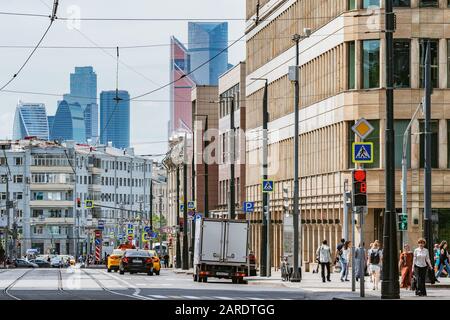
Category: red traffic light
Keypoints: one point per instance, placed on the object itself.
(359, 175)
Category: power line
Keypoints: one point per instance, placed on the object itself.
(52, 19)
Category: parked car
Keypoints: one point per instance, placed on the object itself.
(134, 261)
(57, 262)
(22, 263)
(114, 260)
(41, 263)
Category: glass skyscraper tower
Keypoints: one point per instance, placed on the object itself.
(68, 123)
(30, 120)
(83, 90)
(115, 118)
(207, 40)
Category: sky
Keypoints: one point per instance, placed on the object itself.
(141, 70)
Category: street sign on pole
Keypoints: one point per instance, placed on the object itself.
(362, 128)
(191, 205)
(267, 186)
(362, 152)
(249, 206)
(101, 224)
(89, 204)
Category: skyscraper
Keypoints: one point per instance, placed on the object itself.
(30, 120)
(50, 119)
(83, 89)
(180, 91)
(115, 118)
(69, 123)
(206, 41)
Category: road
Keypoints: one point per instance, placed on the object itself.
(97, 284)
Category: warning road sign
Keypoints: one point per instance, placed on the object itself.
(362, 152)
(267, 186)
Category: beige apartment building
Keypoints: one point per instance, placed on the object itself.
(232, 90)
(342, 79)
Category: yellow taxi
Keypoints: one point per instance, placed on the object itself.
(156, 262)
(114, 260)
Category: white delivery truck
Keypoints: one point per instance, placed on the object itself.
(221, 250)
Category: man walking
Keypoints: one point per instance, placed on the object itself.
(323, 254)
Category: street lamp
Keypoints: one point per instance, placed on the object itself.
(265, 265)
(294, 76)
(205, 166)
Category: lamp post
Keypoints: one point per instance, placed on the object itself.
(297, 275)
(205, 164)
(265, 265)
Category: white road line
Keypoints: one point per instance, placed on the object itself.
(157, 296)
(252, 298)
(191, 297)
(224, 298)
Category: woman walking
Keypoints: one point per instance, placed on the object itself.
(421, 264)
(443, 259)
(375, 258)
(405, 265)
(344, 260)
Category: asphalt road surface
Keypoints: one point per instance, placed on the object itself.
(97, 284)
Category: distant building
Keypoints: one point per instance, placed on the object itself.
(208, 40)
(115, 119)
(69, 123)
(83, 89)
(30, 120)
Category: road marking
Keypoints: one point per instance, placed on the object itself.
(252, 298)
(192, 297)
(157, 296)
(224, 298)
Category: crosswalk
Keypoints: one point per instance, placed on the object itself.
(184, 297)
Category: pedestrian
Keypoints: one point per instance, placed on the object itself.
(421, 264)
(375, 257)
(360, 255)
(436, 255)
(338, 254)
(405, 265)
(344, 260)
(443, 259)
(323, 254)
(166, 260)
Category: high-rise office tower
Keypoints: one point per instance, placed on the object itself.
(30, 120)
(83, 90)
(115, 118)
(69, 123)
(206, 41)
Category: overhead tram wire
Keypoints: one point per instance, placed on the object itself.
(52, 19)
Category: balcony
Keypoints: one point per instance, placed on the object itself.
(51, 221)
(51, 186)
(95, 188)
(95, 170)
(51, 203)
(46, 169)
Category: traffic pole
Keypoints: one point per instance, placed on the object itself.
(265, 213)
(232, 156)
(185, 209)
(390, 288)
(178, 250)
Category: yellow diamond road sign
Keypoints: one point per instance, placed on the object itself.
(362, 128)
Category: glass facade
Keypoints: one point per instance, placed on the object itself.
(371, 64)
(434, 144)
(351, 65)
(69, 123)
(402, 63)
(206, 41)
(115, 119)
(30, 120)
(434, 62)
(399, 128)
(371, 3)
(83, 90)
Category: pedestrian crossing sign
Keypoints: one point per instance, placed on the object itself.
(362, 152)
(267, 186)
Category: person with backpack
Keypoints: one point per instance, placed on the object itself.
(323, 254)
(375, 257)
(338, 254)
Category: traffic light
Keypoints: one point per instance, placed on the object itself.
(402, 222)
(359, 188)
(78, 203)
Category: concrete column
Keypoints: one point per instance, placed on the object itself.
(382, 62)
(415, 145)
(415, 63)
(443, 4)
(415, 3)
(382, 143)
(443, 62)
(443, 156)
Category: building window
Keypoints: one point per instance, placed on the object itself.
(351, 65)
(402, 3)
(448, 143)
(17, 195)
(371, 3)
(402, 63)
(18, 179)
(448, 61)
(400, 127)
(2, 161)
(429, 3)
(371, 64)
(18, 161)
(434, 62)
(351, 4)
(434, 144)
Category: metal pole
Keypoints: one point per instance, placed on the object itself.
(206, 171)
(151, 211)
(232, 150)
(178, 250)
(427, 190)
(269, 261)
(265, 213)
(185, 209)
(362, 266)
(390, 288)
(297, 276)
(193, 198)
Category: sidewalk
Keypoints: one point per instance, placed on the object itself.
(336, 289)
